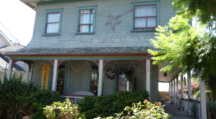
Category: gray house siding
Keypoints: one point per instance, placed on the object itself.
(77, 81)
(104, 35)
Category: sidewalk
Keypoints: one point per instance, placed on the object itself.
(176, 114)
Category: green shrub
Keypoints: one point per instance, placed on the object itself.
(104, 106)
(38, 100)
(12, 92)
(141, 110)
(65, 110)
(212, 108)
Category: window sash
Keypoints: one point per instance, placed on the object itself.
(86, 21)
(52, 25)
(145, 16)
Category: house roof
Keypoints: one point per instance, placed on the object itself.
(10, 48)
(80, 50)
(4, 63)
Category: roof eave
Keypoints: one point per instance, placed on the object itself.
(81, 54)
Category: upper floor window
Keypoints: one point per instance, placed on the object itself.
(145, 16)
(53, 22)
(86, 20)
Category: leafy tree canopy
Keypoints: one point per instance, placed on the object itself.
(203, 9)
(184, 47)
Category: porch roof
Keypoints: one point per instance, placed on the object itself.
(86, 50)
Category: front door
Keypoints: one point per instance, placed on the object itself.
(125, 79)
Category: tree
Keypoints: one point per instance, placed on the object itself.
(203, 9)
(184, 47)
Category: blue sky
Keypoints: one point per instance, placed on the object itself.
(18, 19)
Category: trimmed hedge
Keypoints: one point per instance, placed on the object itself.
(104, 106)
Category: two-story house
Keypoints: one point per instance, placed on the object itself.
(99, 46)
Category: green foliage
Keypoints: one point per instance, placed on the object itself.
(65, 110)
(38, 100)
(184, 47)
(145, 110)
(12, 92)
(105, 106)
(212, 108)
(205, 10)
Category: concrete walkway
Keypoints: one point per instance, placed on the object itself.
(176, 114)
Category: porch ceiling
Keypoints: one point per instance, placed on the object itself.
(169, 77)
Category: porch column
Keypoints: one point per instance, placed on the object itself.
(173, 91)
(182, 93)
(189, 85)
(174, 95)
(10, 69)
(148, 83)
(170, 89)
(55, 71)
(189, 89)
(100, 77)
(202, 98)
(177, 90)
(30, 70)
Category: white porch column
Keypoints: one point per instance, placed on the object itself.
(55, 72)
(148, 83)
(189, 85)
(10, 69)
(202, 99)
(170, 89)
(30, 70)
(182, 93)
(177, 84)
(173, 90)
(100, 77)
(174, 95)
(189, 90)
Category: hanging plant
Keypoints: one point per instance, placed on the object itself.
(110, 73)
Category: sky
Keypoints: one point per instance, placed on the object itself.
(18, 19)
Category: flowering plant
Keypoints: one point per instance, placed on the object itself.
(145, 110)
(194, 88)
(65, 110)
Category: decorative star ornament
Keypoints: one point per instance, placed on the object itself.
(113, 20)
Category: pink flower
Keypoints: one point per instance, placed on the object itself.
(145, 101)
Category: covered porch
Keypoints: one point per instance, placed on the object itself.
(79, 75)
(187, 95)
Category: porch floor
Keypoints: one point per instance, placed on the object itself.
(176, 114)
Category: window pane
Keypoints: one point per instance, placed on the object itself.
(53, 17)
(52, 28)
(145, 11)
(86, 28)
(140, 22)
(151, 22)
(86, 18)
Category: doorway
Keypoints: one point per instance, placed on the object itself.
(126, 79)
